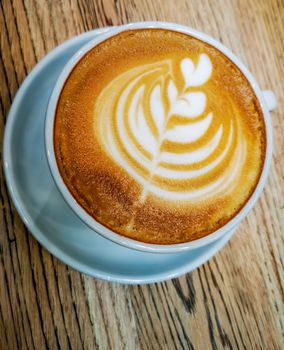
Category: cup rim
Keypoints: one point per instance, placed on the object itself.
(87, 218)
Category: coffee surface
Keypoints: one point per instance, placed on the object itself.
(159, 136)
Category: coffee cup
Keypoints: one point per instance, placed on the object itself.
(265, 101)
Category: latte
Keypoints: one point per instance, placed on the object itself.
(159, 136)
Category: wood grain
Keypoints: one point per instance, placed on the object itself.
(236, 300)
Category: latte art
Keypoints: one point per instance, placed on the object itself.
(163, 138)
(159, 136)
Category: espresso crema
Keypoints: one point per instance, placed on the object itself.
(159, 136)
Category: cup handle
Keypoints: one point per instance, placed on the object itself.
(270, 99)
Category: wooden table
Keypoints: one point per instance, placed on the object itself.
(235, 301)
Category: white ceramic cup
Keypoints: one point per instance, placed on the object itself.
(266, 99)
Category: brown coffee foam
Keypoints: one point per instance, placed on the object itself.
(104, 189)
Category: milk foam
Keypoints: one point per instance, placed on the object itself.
(144, 101)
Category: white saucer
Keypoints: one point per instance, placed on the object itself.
(44, 211)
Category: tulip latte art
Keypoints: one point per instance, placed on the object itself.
(159, 136)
